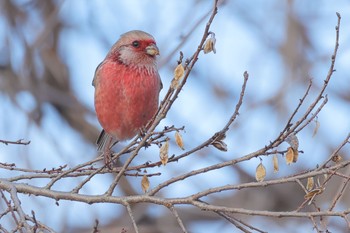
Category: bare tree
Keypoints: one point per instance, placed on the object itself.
(317, 192)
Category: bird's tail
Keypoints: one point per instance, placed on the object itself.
(105, 142)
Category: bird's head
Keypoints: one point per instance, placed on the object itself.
(135, 48)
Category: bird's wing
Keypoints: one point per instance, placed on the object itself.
(161, 83)
(95, 75)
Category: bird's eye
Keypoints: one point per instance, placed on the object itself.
(136, 44)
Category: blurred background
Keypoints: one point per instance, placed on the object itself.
(50, 49)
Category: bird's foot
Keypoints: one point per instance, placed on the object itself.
(108, 160)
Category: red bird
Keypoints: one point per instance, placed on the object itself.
(127, 86)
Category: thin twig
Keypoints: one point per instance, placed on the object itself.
(80, 186)
(314, 224)
(248, 225)
(18, 142)
(233, 221)
(219, 134)
(339, 194)
(336, 151)
(165, 105)
(178, 219)
(17, 205)
(132, 218)
(290, 129)
(57, 178)
(10, 209)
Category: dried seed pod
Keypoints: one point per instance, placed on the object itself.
(275, 163)
(310, 183)
(163, 152)
(289, 156)
(220, 145)
(145, 183)
(210, 44)
(260, 172)
(178, 73)
(312, 194)
(317, 126)
(178, 140)
(336, 158)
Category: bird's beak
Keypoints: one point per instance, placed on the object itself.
(152, 50)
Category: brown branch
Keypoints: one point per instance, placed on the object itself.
(95, 229)
(307, 121)
(132, 218)
(178, 219)
(233, 221)
(18, 142)
(90, 199)
(63, 174)
(16, 207)
(301, 101)
(10, 208)
(314, 224)
(184, 39)
(289, 128)
(265, 213)
(293, 178)
(345, 141)
(146, 198)
(250, 226)
(340, 193)
(219, 135)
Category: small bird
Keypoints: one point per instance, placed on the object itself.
(127, 86)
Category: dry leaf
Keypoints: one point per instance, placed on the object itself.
(163, 152)
(178, 73)
(178, 140)
(220, 145)
(310, 183)
(336, 158)
(260, 172)
(316, 128)
(289, 155)
(312, 194)
(292, 153)
(145, 183)
(275, 164)
(210, 44)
